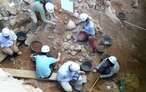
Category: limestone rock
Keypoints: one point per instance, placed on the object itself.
(73, 53)
(66, 45)
(77, 48)
(13, 21)
(68, 36)
(70, 25)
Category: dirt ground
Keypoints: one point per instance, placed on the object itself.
(123, 46)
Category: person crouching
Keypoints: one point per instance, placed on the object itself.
(8, 43)
(108, 67)
(69, 77)
(43, 62)
(88, 33)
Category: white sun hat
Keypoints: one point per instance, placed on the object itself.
(83, 17)
(113, 59)
(49, 7)
(74, 67)
(45, 49)
(6, 32)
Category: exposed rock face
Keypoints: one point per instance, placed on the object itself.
(71, 48)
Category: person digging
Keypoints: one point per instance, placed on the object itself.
(44, 62)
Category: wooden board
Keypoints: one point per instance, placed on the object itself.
(26, 74)
(2, 56)
(31, 74)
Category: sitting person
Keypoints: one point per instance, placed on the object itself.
(108, 67)
(8, 43)
(44, 62)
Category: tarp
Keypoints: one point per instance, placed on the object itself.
(67, 5)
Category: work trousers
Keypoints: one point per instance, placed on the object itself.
(10, 50)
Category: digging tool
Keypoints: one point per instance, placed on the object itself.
(91, 88)
(134, 25)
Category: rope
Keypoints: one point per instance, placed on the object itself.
(134, 25)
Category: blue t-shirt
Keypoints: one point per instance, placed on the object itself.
(6, 43)
(89, 28)
(43, 63)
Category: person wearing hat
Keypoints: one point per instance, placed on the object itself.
(108, 67)
(89, 31)
(88, 25)
(8, 42)
(39, 9)
(50, 9)
(43, 62)
(69, 75)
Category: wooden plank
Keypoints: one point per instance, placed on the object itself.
(31, 74)
(2, 56)
(27, 74)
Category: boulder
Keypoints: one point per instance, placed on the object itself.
(68, 37)
(70, 25)
(73, 53)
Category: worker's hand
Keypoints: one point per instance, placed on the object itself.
(59, 54)
(32, 56)
(82, 73)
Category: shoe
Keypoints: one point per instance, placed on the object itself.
(19, 53)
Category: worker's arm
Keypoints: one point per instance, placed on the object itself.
(98, 27)
(14, 37)
(59, 57)
(82, 72)
(53, 23)
(107, 75)
(114, 70)
(45, 19)
(100, 64)
(33, 57)
(59, 61)
(79, 23)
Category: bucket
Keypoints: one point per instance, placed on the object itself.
(86, 66)
(21, 36)
(106, 40)
(36, 46)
